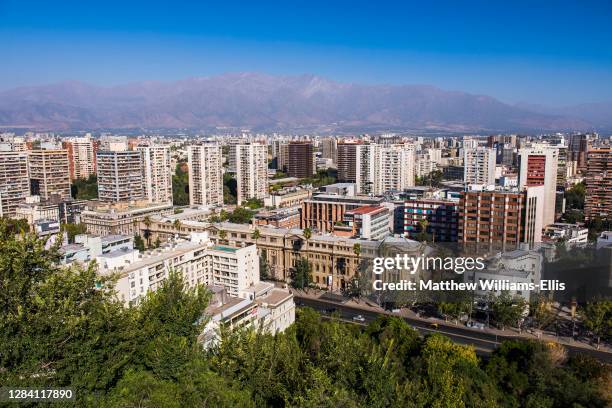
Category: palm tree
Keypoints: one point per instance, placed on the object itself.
(222, 235)
(307, 234)
(147, 232)
(256, 235)
(177, 224)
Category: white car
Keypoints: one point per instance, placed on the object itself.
(475, 325)
(359, 318)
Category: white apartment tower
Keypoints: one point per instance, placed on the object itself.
(394, 168)
(120, 176)
(81, 157)
(479, 165)
(14, 181)
(49, 173)
(251, 166)
(538, 167)
(377, 168)
(157, 173)
(205, 177)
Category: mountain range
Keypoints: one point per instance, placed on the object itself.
(281, 103)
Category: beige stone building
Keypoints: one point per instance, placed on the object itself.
(333, 259)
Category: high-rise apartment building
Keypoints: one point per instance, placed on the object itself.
(120, 176)
(282, 160)
(14, 182)
(598, 201)
(300, 160)
(479, 165)
(157, 173)
(329, 148)
(81, 157)
(578, 145)
(251, 164)
(375, 168)
(113, 143)
(394, 168)
(346, 156)
(538, 167)
(49, 173)
(205, 177)
(501, 217)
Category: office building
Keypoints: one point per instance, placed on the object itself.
(81, 157)
(287, 197)
(300, 160)
(251, 166)
(157, 173)
(538, 167)
(598, 179)
(323, 211)
(14, 181)
(205, 177)
(479, 166)
(501, 217)
(49, 173)
(439, 217)
(120, 176)
(369, 222)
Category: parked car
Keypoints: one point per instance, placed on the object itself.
(359, 318)
(475, 325)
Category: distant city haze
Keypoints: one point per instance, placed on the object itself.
(284, 103)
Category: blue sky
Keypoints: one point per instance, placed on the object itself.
(554, 52)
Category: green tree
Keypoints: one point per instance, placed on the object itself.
(301, 274)
(85, 189)
(241, 215)
(72, 230)
(597, 318)
(222, 235)
(230, 189)
(139, 243)
(180, 185)
(508, 310)
(254, 203)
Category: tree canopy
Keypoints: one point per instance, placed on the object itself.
(63, 327)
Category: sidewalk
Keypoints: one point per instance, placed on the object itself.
(510, 332)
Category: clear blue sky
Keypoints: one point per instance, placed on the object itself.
(554, 52)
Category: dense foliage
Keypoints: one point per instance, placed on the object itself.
(58, 328)
(180, 185)
(85, 189)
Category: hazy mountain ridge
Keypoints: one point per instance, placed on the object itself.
(265, 102)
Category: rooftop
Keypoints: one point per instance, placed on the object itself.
(224, 248)
(370, 209)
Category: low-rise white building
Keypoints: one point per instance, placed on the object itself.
(570, 233)
(197, 259)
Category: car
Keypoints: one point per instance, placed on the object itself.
(359, 318)
(475, 325)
